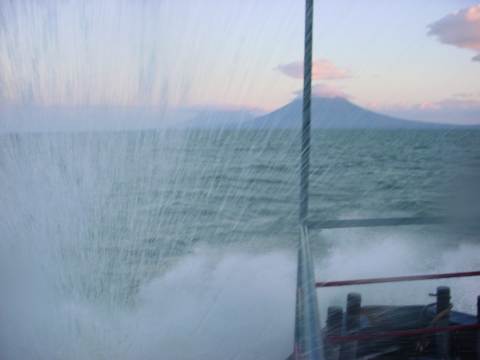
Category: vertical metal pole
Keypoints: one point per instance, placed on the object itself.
(478, 331)
(308, 337)
(352, 323)
(334, 328)
(307, 92)
(443, 304)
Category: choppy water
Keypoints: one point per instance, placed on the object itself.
(181, 244)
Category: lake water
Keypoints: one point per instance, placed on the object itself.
(181, 244)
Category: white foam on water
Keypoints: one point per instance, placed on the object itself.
(213, 304)
(209, 305)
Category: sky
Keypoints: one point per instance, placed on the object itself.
(418, 59)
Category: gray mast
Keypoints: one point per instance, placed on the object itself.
(308, 338)
(307, 93)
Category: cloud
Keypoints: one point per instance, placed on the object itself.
(324, 90)
(458, 109)
(460, 29)
(464, 95)
(322, 69)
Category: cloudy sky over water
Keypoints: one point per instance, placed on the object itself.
(418, 59)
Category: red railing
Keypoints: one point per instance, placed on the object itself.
(400, 333)
(396, 279)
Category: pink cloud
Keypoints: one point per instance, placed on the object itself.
(428, 105)
(460, 29)
(322, 69)
(460, 108)
(458, 101)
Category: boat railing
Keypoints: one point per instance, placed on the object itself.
(309, 342)
(333, 336)
(393, 279)
(342, 339)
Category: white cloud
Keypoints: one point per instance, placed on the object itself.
(322, 69)
(325, 90)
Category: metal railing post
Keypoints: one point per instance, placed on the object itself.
(443, 309)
